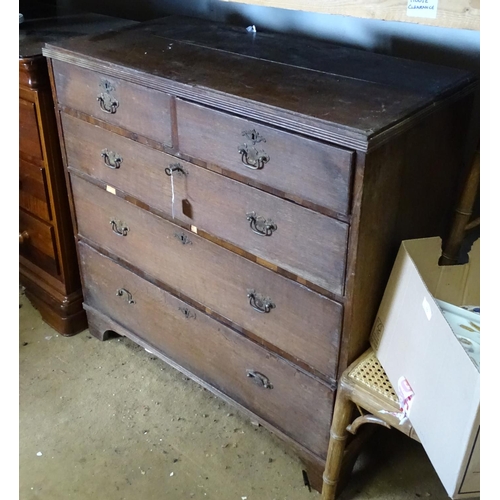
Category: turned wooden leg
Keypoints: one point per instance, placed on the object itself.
(338, 435)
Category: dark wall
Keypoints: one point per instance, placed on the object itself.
(458, 48)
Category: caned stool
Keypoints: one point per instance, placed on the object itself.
(364, 385)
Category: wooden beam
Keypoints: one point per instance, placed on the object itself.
(460, 14)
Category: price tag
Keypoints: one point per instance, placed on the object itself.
(422, 8)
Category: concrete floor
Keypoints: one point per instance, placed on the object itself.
(107, 420)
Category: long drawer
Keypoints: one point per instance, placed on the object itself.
(138, 109)
(300, 322)
(299, 240)
(299, 168)
(267, 385)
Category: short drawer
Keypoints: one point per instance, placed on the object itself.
(301, 169)
(266, 384)
(299, 322)
(29, 133)
(120, 162)
(138, 109)
(33, 195)
(299, 240)
(37, 242)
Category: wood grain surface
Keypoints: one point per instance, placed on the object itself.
(295, 403)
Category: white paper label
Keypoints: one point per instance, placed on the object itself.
(111, 189)
(427, 309)
(422, 8)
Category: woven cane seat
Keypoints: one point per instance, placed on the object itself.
(369, 388)
(369, 372)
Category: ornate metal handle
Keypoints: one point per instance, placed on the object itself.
(253, 158)
(187, 313)
(119, 227)
(111, 159)
(250, 156)
(183, 238)
(107, 103)
(260, 225)
(23, 237)
(122, 291)
(175, 167)
(259, 379)
(259, 302)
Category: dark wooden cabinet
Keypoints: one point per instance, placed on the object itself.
(48, 264)
(47, 255)
(239, 199)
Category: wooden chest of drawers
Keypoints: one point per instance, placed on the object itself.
(240, 198)
(47, 255)
(48, 266)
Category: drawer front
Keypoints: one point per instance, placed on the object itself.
(29, 135)
(120, 162)
(296, 403)
(298, 240)
(301, 169)
(140, 110)
(33, 195)
(305, 243)
(38, 242)
(302, 323)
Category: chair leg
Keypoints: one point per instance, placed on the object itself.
(342, 415)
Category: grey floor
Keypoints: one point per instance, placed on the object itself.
(107, 420)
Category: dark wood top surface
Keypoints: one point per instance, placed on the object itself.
(46, 23)
(360, 92)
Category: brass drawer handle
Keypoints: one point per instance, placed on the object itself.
(23, 237)
(259, 379)
(260, 225)
(122, 292)
(187, 313)
(119, 227)
(259, 302)
(107, 102)
(175, 167)
(250, 156)
(183, 238)
(111, 159)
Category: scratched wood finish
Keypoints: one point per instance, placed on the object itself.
(217, 205)
(404, 125)
(304, 243)
(303, 323)
(459, 14)
(140, 110)
(85, 143)
(199, 343)
(302, 168)
(350, 110)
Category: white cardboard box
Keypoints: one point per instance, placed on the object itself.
(412, 339)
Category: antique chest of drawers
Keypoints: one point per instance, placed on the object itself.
(48, 267)
(239, 200)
